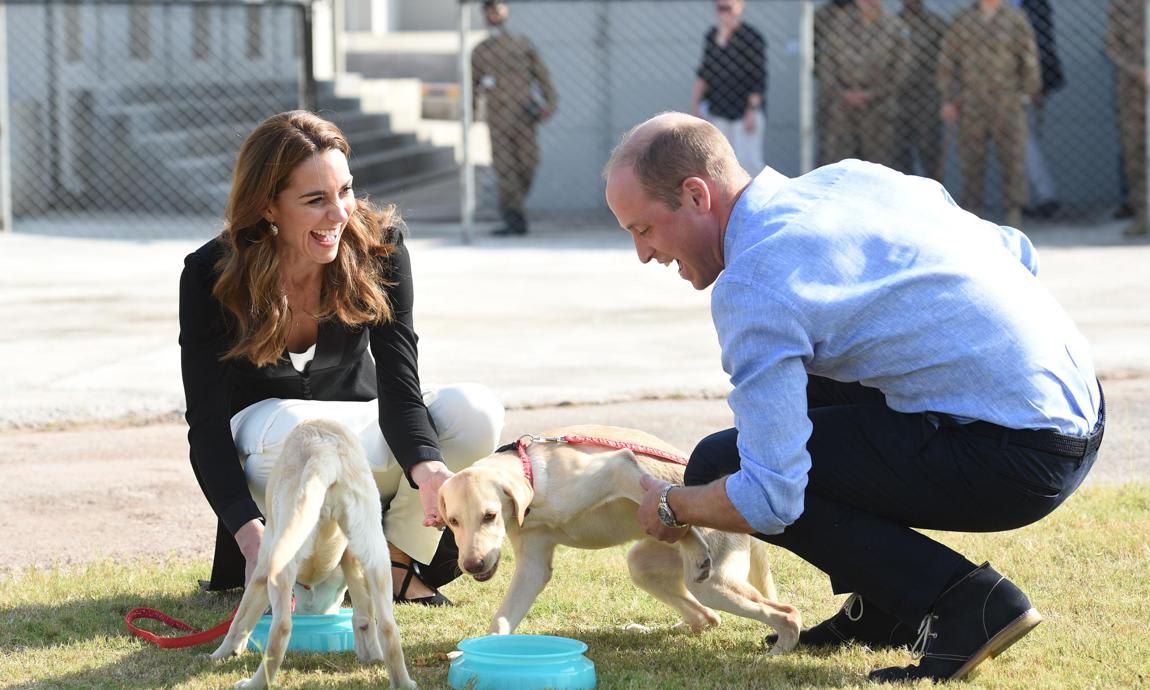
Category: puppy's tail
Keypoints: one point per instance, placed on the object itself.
(760, 576)
(318, 475)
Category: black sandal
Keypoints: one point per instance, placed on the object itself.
(412, 569)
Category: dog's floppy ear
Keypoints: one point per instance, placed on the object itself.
(521, 494)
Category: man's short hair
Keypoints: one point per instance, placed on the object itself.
(662, 160)
(492, 3)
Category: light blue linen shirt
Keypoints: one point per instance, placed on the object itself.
(858, 273)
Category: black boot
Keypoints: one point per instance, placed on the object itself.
(515, 223)
(855, 623)
(975, 619)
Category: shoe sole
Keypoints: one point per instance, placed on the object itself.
(1013, 632)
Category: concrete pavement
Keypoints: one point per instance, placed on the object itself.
(564, 315)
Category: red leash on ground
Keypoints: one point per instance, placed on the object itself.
(576, 439)
(197, 637)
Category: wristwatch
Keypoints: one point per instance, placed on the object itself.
(666, 515)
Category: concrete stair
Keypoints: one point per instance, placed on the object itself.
(177, 145)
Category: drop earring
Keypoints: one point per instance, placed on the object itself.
(275, 229)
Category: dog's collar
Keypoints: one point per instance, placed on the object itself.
(521, 443)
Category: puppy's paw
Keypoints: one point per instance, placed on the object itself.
(223, 652)
(249, 683)
(788, 639)
(409, 685)
(454, 654)
(703, 569)
(636, 627)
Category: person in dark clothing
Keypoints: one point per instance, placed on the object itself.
(302, 308)
(731, 84)
(1043, 190)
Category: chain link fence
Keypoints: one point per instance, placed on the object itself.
(1028, 92)
(123, 115)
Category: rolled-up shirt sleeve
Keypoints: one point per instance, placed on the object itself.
(403, 417)
(764, 347)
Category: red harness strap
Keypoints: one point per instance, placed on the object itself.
(573, 439)
(197, 637)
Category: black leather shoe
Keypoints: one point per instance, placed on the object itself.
(1046, 209)
(975, 619)
(514, 223)
(401, 597)
(855, 623)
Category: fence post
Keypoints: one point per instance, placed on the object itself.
(467, 169)
(338, 38)
(5, 130)
(1145, 191)
(806, 87)
(308, 99)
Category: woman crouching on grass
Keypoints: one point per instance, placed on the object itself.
(302, 308)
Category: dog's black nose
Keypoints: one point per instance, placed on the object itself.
(473, 565)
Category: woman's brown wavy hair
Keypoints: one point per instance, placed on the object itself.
(249, 286)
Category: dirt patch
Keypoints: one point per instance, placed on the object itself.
(128, 492)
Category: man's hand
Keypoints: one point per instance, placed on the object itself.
(649, 512)
(248, 538)
(429, 476)
(749, 121)
(949, 112)
(856, 98)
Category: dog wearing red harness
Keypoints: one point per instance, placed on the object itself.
(579, 486)
(323, 518)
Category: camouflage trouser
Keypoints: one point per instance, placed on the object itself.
(1132, 129)
(1002, 122)
(514, 155)
(865, 133)
(918, 132)
(822, 107)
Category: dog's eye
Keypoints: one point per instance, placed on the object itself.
(453, 522)
(489, 517)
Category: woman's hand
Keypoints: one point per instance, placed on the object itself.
(429, 476)
(248, 538)
(750, 121)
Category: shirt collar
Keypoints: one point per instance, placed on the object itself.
(755, 196)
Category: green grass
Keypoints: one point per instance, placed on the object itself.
(1085, 568)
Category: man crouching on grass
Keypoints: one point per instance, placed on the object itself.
(896, 365)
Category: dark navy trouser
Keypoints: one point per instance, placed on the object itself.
(877, 473)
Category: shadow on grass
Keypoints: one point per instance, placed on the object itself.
(91, 632)
(81, 619)
(660, 655)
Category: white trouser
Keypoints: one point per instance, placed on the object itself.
(748, 146)
(1042, 186)
(468, 418)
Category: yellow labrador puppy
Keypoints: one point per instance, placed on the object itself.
(586, 496)
(323, 518)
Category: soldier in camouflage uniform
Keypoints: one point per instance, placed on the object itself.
(918, 130)
(987, 71)
(864, 64)
(1125, 44)
(825, 18)
(507, 72)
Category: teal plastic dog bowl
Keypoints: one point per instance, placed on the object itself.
(316, 633)
(521, 662)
